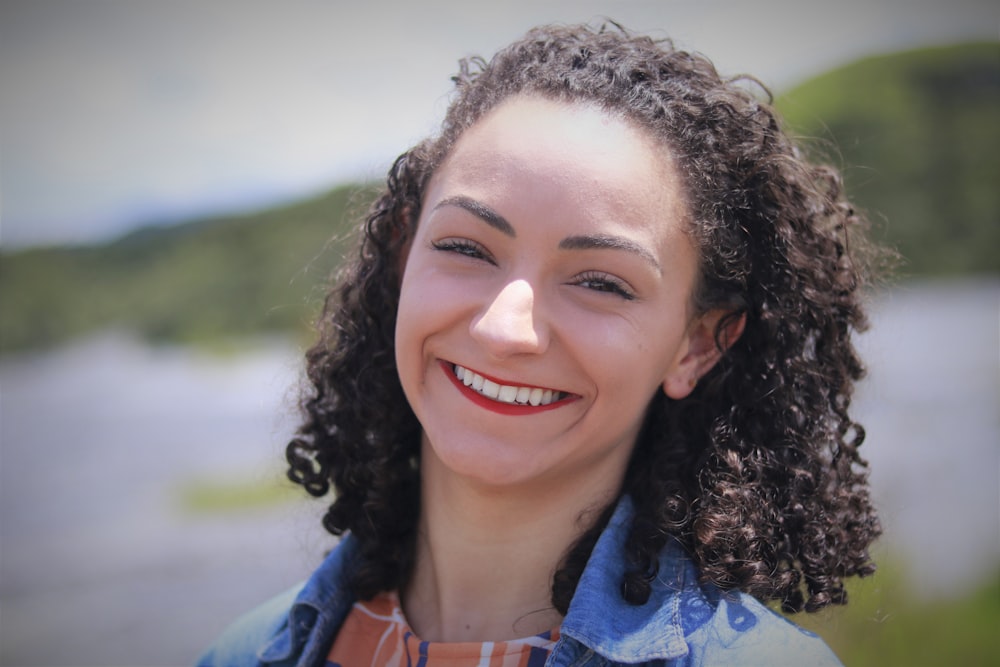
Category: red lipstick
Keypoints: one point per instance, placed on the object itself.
(499, 406)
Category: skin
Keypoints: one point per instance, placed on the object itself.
(551, 252)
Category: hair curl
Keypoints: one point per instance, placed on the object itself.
(757, 472)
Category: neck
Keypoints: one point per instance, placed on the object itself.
(486, 556)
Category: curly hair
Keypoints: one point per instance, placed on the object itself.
(757, 472)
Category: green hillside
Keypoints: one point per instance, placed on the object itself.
(202, 281)
(918, 137)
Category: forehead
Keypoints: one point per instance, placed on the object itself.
(567, 157)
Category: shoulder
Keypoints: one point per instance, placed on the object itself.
(683, 622)
(295, 625)
(240, 643)
(734, 628)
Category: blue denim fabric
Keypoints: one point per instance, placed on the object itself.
(683, 624)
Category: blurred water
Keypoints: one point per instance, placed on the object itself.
(100, 564)
(931, 408)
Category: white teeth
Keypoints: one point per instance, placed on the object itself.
(505, 393)
(491, 389)
(536, 396)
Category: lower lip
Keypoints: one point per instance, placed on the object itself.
(499, 406)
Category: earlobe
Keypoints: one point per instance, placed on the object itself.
(702, 350)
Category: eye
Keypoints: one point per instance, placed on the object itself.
(604, 282)
(464, 247)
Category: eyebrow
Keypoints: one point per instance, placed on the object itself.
(481, 211)
(601, 241)
(577, 242)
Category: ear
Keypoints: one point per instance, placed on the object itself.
(701, 351)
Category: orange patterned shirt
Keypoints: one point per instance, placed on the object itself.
(375, 634)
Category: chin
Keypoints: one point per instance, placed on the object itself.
(484, 464)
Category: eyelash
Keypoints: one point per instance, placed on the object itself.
(592, 280)
(463, 247)
(602, 282)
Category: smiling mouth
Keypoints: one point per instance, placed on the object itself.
(504, 393)
(506, 399)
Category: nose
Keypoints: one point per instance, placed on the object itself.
(508, 324)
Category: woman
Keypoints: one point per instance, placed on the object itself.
(583, 394)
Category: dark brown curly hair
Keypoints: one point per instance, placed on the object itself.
(757, 472)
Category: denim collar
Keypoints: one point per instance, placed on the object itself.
(604, 622)
(598, 617)
(317, 613)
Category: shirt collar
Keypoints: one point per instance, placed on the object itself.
(601, 619)
(598, 616)
(318, 610)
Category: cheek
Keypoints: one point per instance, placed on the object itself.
(429, 306)
(409, 327)
(629, 357)
(628, 377)
(611, 348)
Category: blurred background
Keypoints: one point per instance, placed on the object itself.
(176, 180)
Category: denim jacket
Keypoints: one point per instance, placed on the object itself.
(683, 623)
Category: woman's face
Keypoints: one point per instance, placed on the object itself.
(546, 297)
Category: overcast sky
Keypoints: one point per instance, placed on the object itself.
(115, 113)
